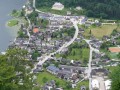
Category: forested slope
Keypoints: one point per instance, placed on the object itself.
(93, 8)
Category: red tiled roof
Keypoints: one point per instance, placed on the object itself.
(35, 30)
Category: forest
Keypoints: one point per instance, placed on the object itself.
(109, 9)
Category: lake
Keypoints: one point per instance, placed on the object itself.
(7, 34)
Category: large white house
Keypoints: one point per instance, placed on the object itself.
(58, 6)
(95, 84)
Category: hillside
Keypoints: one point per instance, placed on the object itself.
(93, 8)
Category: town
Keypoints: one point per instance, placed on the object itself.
(63, 57)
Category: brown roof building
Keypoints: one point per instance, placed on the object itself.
(114, 49)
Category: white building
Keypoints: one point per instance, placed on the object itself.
(95, 84)
(78, 8)
(82, 20)
(107, 84)
(58, 6)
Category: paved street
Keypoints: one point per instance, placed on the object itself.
(101, 83)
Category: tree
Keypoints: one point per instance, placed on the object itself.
(114, 32)
(13, 72)
(118, 55)
(35, 55)
(44, 80)
(33, 17)
(14, 11)
(115, 77)
(68, 85)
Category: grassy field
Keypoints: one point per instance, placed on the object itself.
(99, 32)
(62, 83)
(77, 51)
(113, 56)
(111, 68)
(49, 77)
(79, 54)
(12, 23)
(83, 83)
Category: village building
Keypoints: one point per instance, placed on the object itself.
(52, 69)
(95, 84)
(100, 72)
(114, 49)
(58, 6)
(78, 8)
(35, 30)
(28, 9)
(82, 20)
(107, 84)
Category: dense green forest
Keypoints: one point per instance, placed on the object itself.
(93, 8)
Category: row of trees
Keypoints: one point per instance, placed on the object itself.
(93, 8)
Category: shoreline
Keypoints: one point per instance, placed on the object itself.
(14, 29)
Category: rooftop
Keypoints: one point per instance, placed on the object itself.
(53, 68)
(114, 49)
(35, 30)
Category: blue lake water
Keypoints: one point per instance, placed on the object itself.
(7, 34)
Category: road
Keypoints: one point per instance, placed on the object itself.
(46, 57)
(89, 64)
(28, 26)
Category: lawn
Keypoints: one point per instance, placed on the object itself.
(49, 77)
(77, 51)
(83, 83)
(79, 54)
(12, 23)
(113, 55)
(111, 68)
(62, 83)
(99, 32)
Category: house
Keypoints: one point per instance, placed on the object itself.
(82, 20)
(52, 69)
(35, 30)
(58, 6)
(106, 38)
(72, 68)
(78, 8)
(100, 71)
(114, 49)
(51, 86)
(68, 75)
(107, 84)
(81, 30)
(39, 68)
(95, 84)
(68, 12)
(28, 9)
